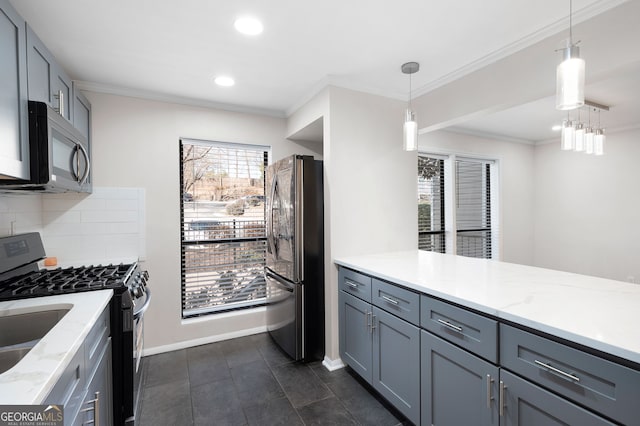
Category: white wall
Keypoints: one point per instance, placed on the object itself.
(371, 184)
(516, 170)
(587, 209)
(135, 143)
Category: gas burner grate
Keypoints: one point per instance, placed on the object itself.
(66, 280)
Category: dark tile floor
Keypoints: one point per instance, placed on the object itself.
(250, 381)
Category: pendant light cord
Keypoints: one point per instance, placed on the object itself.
(409, 91)
(570, 24)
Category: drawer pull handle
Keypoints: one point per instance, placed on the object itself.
(557, 370)
(489, 397)
(502, 401)
(390, 300)
(449, 325)
(95, 409)
(351, 284)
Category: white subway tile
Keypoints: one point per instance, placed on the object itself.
(109, 216)
(54, 217)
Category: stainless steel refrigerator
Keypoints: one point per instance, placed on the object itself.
(295, 256)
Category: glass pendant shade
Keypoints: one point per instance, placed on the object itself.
(570, 81)
(588, 141)
(598, 142)
(567, 140)
(579, 144)
(410, 131)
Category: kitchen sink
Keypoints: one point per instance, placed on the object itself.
(18, 329)
(10, 357)
(20, 332)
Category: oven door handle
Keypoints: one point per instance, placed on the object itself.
(139, 312)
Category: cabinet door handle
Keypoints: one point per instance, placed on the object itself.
(96, 410)
(367, 323)
(373, 322)
(351, 284)
(449, 325)
(489, 397)
(390, 300)
(502, 401)
(60, 96)
(556, 370)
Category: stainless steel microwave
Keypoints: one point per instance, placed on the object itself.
(59, 155)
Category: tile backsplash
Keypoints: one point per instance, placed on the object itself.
(105, 226)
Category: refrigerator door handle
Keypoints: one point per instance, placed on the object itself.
(272, 246)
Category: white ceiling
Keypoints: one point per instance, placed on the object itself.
(172, 49)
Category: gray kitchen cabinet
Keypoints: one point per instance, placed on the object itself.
(396, 353)
(97, 404)
(88, 373)
(458, 388)
(47, 81)
(81, 113)
(14, 144)
(382, 348)
(525, 404)
(355, 334)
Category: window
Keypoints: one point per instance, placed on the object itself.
(223, 240)
(431, 232)
(457, 200)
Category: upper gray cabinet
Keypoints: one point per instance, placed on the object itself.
(47, 81)
(14, 146)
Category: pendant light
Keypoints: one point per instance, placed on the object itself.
(598, 139)
(410, 133)
(570, 74)
(588, 137)
(578, 145)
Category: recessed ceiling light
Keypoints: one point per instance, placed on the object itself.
(225, 81)
(557, 128)
(248, 25)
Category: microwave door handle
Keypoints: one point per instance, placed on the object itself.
(75, 164)
(87, 169)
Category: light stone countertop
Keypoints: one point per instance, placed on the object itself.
(595, 312)
(31, 380)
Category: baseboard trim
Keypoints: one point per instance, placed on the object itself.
(332, 364)
(202, 341)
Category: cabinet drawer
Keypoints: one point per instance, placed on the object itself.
(396, 300)
(596, 383)
(472, 332)
(355, 283)
(69, 389)
(96, 341)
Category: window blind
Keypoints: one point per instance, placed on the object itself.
(431, 208)
(473, 208)
(223, 239)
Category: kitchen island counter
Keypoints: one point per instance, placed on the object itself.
(594, 312)
(31, 380)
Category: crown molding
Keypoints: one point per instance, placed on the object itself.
(154, 96)
(487, 135)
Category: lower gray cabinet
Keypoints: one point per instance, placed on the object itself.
(458, 388)
(525, 404)
(355, 334)
(396, 355)
(97, 406)
(384, 350)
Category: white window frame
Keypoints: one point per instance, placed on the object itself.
(450, 226)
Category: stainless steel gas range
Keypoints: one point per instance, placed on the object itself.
(20, 277)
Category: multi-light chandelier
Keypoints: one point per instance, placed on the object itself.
(577, 134)
(583, 132)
